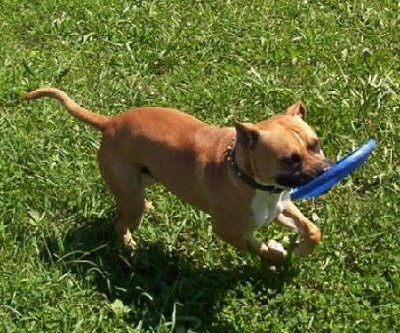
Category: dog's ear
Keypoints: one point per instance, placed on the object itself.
(297, 109)
(246, 134)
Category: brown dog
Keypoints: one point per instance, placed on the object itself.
(241, 176)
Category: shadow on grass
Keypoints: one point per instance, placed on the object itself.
(157, 286)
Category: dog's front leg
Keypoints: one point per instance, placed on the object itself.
(242, 239)
(292, 218)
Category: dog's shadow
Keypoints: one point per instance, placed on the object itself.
(157, 283)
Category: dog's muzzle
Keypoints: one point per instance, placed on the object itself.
(301, 177)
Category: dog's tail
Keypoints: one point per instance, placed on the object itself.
(96, 120)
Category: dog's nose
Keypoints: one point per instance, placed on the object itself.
(325, 166)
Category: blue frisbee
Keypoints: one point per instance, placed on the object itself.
(335, 174)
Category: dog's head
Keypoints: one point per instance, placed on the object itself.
(282, 150)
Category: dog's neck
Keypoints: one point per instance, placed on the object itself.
(231, 158)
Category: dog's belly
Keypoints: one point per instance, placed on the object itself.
(267, 206)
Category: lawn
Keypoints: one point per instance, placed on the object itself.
(62, 267)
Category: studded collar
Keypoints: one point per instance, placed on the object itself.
(231, 158)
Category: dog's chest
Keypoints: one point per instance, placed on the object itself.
(266, 206)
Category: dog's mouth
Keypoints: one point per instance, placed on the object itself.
(293, 180)
(302, 177)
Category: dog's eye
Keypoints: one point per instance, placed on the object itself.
(292, 160)
(295, 157)
(314, 146)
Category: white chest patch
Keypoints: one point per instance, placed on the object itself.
(266, 206)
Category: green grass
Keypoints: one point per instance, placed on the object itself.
(62, 267)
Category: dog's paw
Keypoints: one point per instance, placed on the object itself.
(131, 247)
(148, 205)
(277, 247)
(275, 255)
(129, 243)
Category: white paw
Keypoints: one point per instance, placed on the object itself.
(276, 246)
(148, 205)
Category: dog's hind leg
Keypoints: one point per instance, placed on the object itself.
(125, 183)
